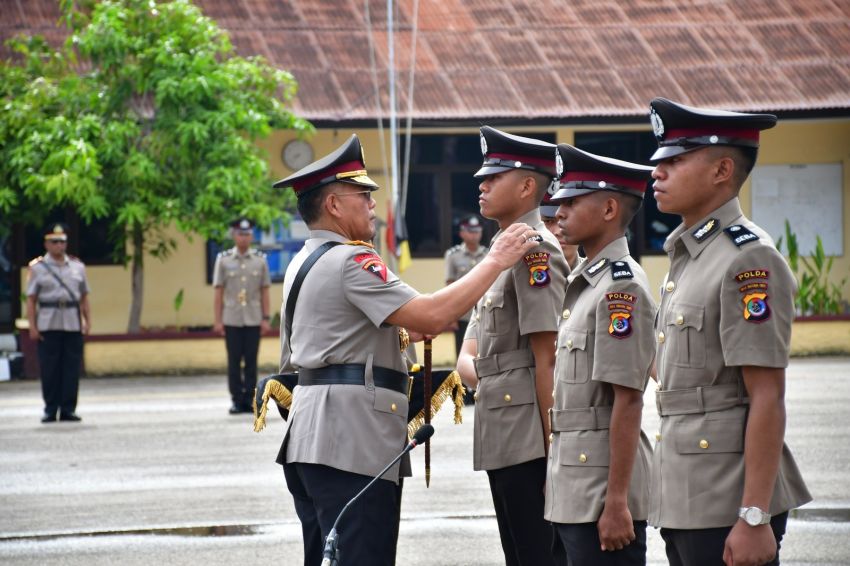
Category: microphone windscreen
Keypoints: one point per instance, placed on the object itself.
(424, 433)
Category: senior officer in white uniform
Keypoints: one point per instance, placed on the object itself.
(597, 482)
(348, 414)
(723, 479)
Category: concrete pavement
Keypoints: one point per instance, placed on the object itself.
(158, 472)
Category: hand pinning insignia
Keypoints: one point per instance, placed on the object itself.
(538, 267)
(373, 264)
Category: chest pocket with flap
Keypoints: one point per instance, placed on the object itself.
(684, 330)
(493, 316)
(573, 350)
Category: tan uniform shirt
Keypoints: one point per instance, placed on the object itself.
(524, 300)
(605, 337)
(46, 289)
(727, 302)
(459, 260)
(243, 278)
(339, 319)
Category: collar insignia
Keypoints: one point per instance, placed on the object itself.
(598, 266)
(705, 230)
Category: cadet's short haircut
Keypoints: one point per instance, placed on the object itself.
(310, 205)
(743, 157)
(542, 181)
(630, 205)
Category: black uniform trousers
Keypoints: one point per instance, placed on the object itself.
(527, 538)
(60, 355)
(243, 343)
(368, 532)
(581, 541)
(704, 547)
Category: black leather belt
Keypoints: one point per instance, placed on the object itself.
(354, 374)
(58, 304)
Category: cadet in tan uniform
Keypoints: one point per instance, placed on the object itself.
(509, 351)
(723, 480)
(460, 259)
(59, 315)
(597, 482)
(348, 417)
(241, 308)
(548, 213)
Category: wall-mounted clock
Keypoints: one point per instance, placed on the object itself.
(297, 154)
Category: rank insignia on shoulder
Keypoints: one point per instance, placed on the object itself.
(36, 260)
(740, 235)
(373, 264)
(705, 230)
(621, 270)
(538, 268)
(756, 308)
(598, 266)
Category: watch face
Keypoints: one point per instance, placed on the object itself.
(297, 154)
(752, 516)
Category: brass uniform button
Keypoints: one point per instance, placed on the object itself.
(244, 278)
(487, 302)
(393, 407)
(551, 437)
(680, 320)
(658, 387)
(582, 458)
(566, 314)
(660, 337)
(703, 444)
(569, 343)
(553, 394)
(507, 397)
(243, 266)
(475, 396)
(658, 436)
(669, 286)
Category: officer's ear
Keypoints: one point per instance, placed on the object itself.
(610, 207)
(724, 168)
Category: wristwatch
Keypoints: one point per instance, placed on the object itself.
(753, 516)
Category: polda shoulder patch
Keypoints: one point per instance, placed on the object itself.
(740, 235)
(372, 263)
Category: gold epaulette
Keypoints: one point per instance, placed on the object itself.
(36, 260)
(451, 387)
(276, 391)
(359, 243)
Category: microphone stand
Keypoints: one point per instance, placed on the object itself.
(331, 553)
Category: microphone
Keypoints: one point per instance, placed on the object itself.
(329, 556)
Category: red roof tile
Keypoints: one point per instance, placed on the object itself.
(476, 59)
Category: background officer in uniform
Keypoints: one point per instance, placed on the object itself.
(548, 213)
(509, 351)
(59, 315)
(241, 307)
(348, 417)
(597, 482)
(723, 480)
(460, 259)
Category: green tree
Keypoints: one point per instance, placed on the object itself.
(147, 117)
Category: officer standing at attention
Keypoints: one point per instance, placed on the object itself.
(509, 351)
(59, 315)
(548, 213)
(723, 479)
(241, 308)
(348, 417)
(597, 484)
(460, 259)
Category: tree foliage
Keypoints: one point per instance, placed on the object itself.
(147, 117)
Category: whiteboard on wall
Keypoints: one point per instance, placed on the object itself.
(809, 196)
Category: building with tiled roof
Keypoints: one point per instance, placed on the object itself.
(579, 72)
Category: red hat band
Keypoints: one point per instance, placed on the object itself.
(327, 175)
(637, 185)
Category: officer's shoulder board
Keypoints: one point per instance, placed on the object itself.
(621, 270)
(35, 261)
(454, 249)
(225, 253)
(740, 235)
(75, 258)
(259, 253)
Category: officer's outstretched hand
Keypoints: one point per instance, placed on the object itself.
(513, 244)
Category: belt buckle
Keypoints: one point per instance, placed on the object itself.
(60, 303)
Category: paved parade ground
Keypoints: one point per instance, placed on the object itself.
(159, 473)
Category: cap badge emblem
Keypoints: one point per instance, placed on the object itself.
(244, 225)
(657, 124)
(483, 145)
(559, 164)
